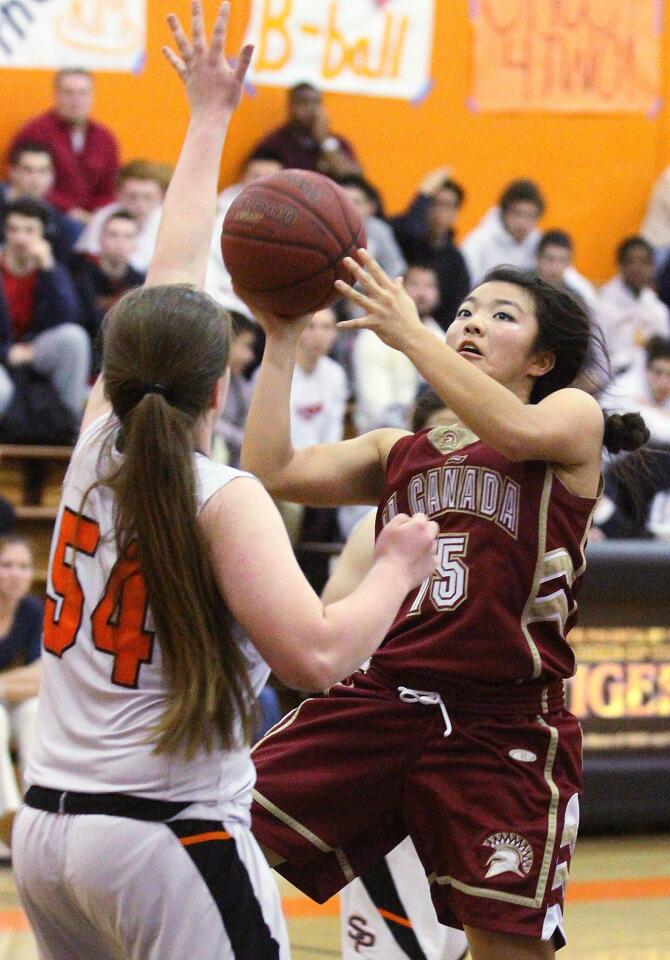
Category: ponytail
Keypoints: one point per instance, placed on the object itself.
(626, 431)
(164, 350)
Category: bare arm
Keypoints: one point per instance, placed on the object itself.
(307, 645)
(354, 562)
(213, 89)
(21, 683)
(565, 428)
(351, 471)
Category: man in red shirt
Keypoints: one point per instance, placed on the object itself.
(38, 310)
(85, 153)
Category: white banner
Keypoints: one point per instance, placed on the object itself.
(380, 48)
(95, 34)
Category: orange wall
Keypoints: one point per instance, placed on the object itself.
(595, 170)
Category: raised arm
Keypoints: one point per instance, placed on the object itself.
(565, 428)
(350, 471)
(213, 89)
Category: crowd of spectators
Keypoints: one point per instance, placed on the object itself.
(78, 231)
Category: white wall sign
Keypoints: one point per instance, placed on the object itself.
(380, 48)
(96, 34)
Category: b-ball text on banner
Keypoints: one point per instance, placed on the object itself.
(378, 48)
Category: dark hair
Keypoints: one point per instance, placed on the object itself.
(29, 146)
(264, 153)
(27, 207)
(299, 87)
(519, 191)
(422, 265)
(120, 214)
(555, 238)
(370, 191)
(629, 244)
(425, 404)
(241, 324)
(657, 348)
(449, 184)
(566, 330)
(176, 338)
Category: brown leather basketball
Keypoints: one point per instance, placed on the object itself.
(284, 238)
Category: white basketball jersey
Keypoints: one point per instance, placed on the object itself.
(104, 688)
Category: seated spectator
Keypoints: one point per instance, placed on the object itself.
(229, 429)
(630, 312)
(102, 280)
(508, 233)
(555, 254)
(85, 153)
(141, 188)
(425, 232)
(645, 387)
(39, 310)
(218, 282)
(31, 174)
(386, 382)
(305, 141)
(20, 669)
(318, 399)
(381, 241)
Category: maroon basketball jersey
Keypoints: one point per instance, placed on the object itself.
(510, 562)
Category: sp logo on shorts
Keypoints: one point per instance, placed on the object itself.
(511, 854)
(360, 934)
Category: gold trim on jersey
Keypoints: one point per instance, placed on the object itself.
(448, 439)
(526, 615)
(305, 832)
(552, 819)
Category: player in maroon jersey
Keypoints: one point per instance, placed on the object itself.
(456, 734)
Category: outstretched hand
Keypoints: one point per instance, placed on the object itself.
(213, 86)
(390, 311)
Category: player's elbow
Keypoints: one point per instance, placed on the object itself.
(310, 673)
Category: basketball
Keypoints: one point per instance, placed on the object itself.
(284, 238)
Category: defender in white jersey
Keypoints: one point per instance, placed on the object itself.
(139, 786)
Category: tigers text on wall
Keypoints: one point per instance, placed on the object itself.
(600, 56)
(96, 34)
(381, 48)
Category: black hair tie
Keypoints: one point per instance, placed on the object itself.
(152, 387)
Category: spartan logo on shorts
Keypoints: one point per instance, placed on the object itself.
(511, 854)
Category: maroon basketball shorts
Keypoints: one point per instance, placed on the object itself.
(488, 791)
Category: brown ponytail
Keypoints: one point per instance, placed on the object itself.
(164, 349)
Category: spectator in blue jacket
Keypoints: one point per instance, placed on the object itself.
(39, 310)
(425, 232)
(30, 176)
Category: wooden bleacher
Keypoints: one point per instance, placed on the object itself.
(31, 478)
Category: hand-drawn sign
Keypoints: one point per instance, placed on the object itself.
(567, 55)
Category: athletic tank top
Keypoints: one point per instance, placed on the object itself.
(511, 558)
(104, 688)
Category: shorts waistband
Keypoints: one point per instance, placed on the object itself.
(109, 804)
(508, 699)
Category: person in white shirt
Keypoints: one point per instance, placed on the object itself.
(319, 389)
(218, 282)
(630, 312)
(385, 381)
(645, 386)
(134, 838)
(555, 254)
(508, 233)
(142, 186)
